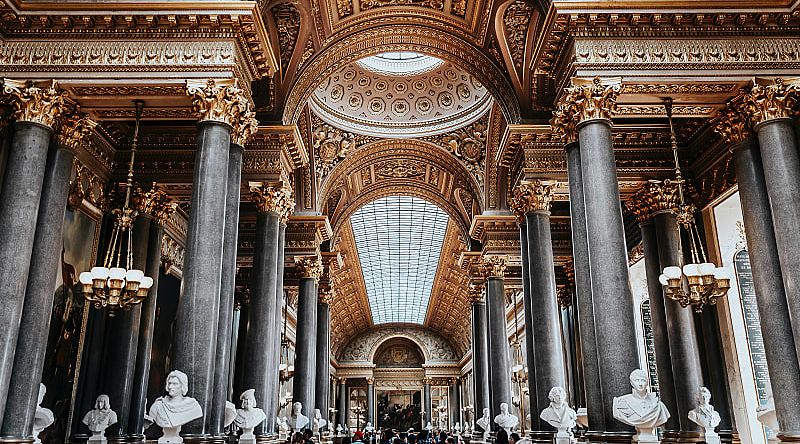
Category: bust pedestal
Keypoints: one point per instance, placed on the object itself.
(247, 437)
(645, 435)
(171, 435)
(564, 437)
(98, 436)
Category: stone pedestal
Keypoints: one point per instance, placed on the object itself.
(171, 435)
(97, 437)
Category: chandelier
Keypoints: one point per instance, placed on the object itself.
(704, 281)
(117, 285)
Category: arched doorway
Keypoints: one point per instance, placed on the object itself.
(398, 407)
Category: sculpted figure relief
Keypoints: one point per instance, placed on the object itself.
(100, 418)
(641, 408)
(298, 421)
(249, 416)
(176, 409)
(505, 420)
(559, 414)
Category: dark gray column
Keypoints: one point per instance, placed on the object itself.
(310, 269)
(19, 207)
(548, 350)
(427, 402)
(658, 318)
(683, 348)
(122, 342)
(454, 399)
(323, 376)
(141, 372)
(781, 162)
(608, 258)
(500, 374)
(32, 341)
(222, 362)
(371, 401)
(480, 353)
(196, 324)
(530, 354)
(271, 404)
(773, 309)
(259, 363)
(583, 290)
(341, 404)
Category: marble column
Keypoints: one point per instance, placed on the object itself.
(762, 246)
(592, 103)
(769, 108)
(222, 358)
(583, 291)
(454, 400)
(500, 375)
(323, 370)
(480, 351)
(341, 404)
(272, 404)
(683, 347)
(371, 401)
(162, 207)
(547, 368)
(530, 354)
(220, 106)
(641, 206)
(45, 260)
(260, 363)
(427, 401)
(37, 111)
(310, 270)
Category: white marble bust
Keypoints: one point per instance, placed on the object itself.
(249, 416)
(641, 408)
(318, 423)
(176, 409)
(339, 430)
(43, 418)
(705, 416)
(484, 422)
(368, 428)
(559, 414)
(283, 426)
(505, 420)
(298, 421)
(100, 418)
(230, 414)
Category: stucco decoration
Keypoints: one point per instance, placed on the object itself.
(419, 103)
(363, 347)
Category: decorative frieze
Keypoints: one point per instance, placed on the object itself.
(771, 100)
(36, 104)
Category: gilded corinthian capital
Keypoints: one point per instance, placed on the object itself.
(154, 202)
(770, 100)
(654, 197)
(247, 127)
(224, 102)
(475, 292)
(309, 267)
(75, 130)
(493, 266)
(733, 124)
(42, 105)
(533, 195)
(327, 294)
(563, 123)
(593, 99)
(273, 199)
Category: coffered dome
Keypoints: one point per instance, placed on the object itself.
(400, 95)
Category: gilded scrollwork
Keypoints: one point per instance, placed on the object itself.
(516, 19)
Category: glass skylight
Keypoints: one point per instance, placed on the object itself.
(400, 63)
(399, 240)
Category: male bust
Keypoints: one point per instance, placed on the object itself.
(43, 417)
(506, 420)
(176, 409)
(298, 421)
(100, 418)
(705, 415)
(248, 416)
(559, 414)
(641, 408)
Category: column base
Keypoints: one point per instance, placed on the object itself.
(543, 437)
(789, 436)
(193, 439)
(729, 437)
(614, 437)
(672, 436)
(591, 436)
(9, 440)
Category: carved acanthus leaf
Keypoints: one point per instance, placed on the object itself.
(273, 199)
(771, 100)
(75, 130)
(534, 195)
(591, 99)
(733, 124)
(154, 202)
(220, 101)
(309, 267)
(42, 105)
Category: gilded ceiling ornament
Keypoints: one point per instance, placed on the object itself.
(273, 199)
(75, 130)
(154, 202)
(42, 105)
(770, 101)
(493, 266)
(530, 196)
(733, 124)
(287, 20)
(654, 197)
(371, 4)
(330, 146)
(399, 169)
(246, 127)
(344, 8)
(309, 267)
(219, 101)
(591, 99)
(516, 19)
